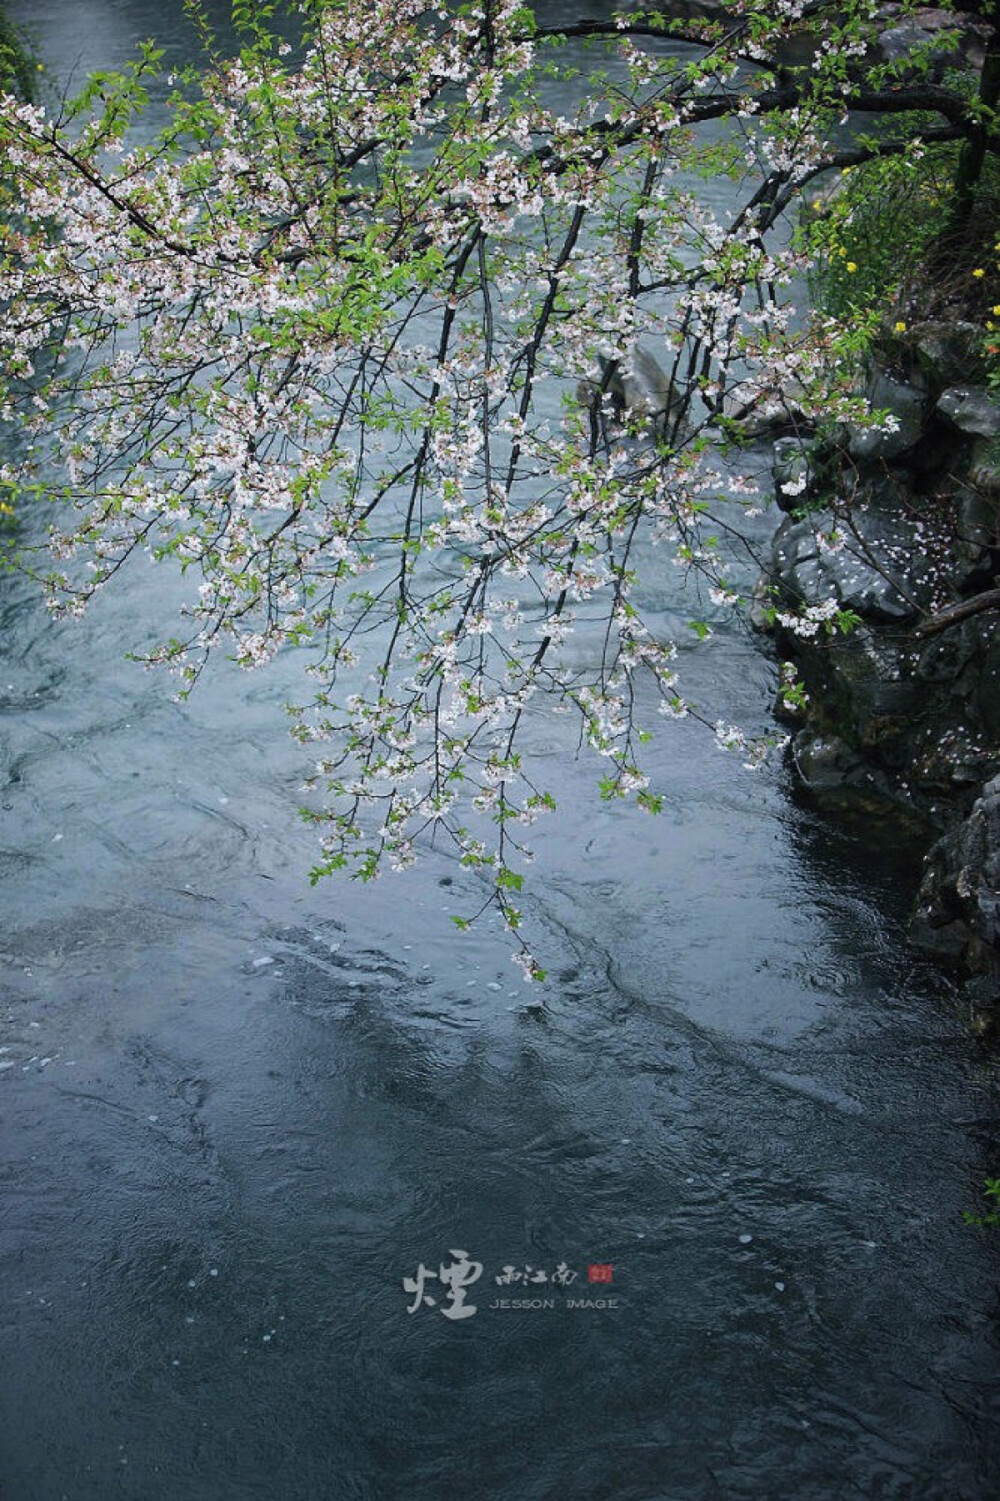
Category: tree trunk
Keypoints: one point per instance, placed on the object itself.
(973, 154)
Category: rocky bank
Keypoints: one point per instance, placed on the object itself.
(901, 715)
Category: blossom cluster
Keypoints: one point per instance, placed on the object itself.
(363, 342)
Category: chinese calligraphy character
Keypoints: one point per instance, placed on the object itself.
(416, 1285)
(562, 1276)
(457, 1277)
(510, 1275)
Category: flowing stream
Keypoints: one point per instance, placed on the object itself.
(238, 1112)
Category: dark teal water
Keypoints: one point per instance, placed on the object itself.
(236, 1113)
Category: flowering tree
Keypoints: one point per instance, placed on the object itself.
(401, 363)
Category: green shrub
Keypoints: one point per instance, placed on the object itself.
(18, 70)
(991, 1219)
(888, 253)
(875, 228)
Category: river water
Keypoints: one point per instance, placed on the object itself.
(237, 1112)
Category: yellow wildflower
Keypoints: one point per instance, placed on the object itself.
(852, 266)
(899, 328)
(979, 272)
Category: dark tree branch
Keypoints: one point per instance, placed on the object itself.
(955, 614)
